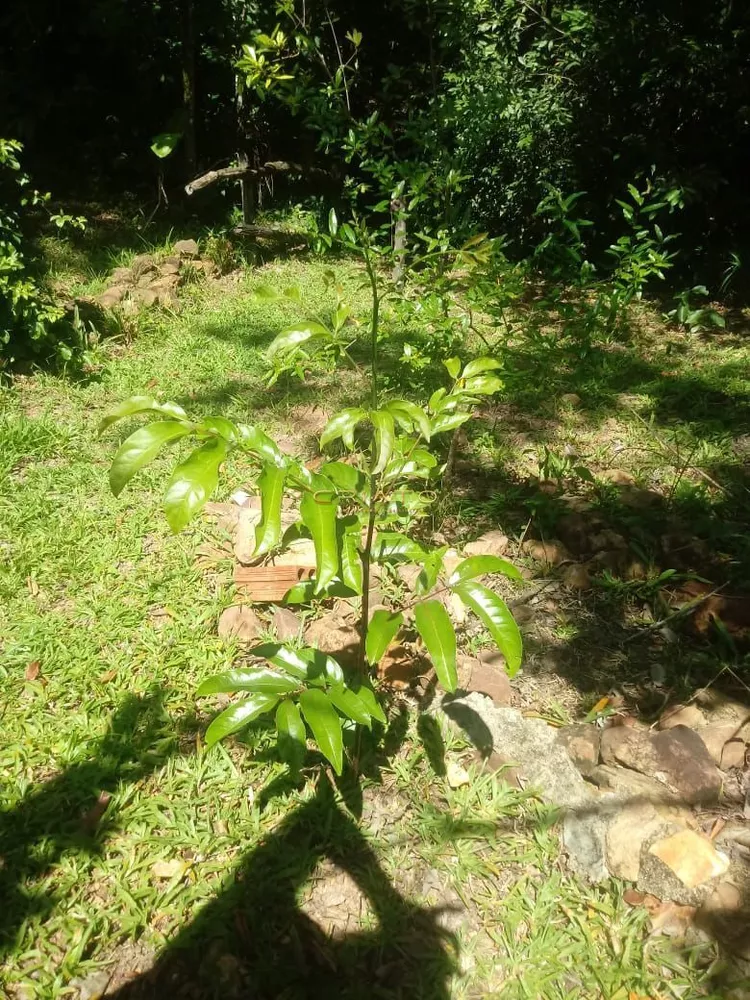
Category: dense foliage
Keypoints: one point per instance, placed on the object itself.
(481, 102)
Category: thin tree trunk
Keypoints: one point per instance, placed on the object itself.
(188, 87)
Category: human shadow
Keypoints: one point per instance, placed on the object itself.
(256, 941)
(73, 810)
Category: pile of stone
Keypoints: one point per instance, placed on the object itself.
(666, 808)
(152, 281)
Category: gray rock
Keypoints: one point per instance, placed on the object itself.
(186, 248)
(287, 624)
(532, 746)
(582, 743)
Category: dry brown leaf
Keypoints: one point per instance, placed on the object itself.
(33, 670)
(169, 869)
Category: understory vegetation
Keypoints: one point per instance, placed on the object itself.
(371, 284)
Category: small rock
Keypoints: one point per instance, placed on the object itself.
(726, 898)
(451, 559)
(715, 735)
(408, 575)
(632, 824)
(93, 987)
(112, 297)
(244, 540)
(733, 754)
(575, 529)
(145, 297)
(671, 919)
(577, 577)
(456, 774)
(169, 266)
(607, 540)
(617, 476)
(571, 399)
(400, 667)
(691, 857)
(142, 264)
(682, 715)
(551, 553)
(186, 248)
(639, 499)
(287, 624)
(495, 763)
(582, 743)
(491, 681)
(676, 757)
(121, 276)
(492, 543)
(239, 622)
(333, 635)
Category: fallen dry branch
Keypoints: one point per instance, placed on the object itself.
(253, 173)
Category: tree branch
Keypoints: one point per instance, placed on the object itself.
(240, 172)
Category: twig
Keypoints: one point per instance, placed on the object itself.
(674, 451)
(685, 610)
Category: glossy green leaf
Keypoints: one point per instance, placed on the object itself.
(333, 222)
(318, 511)
(346, 477)
(325, 723)
(268, 529)
(349, 532)
(453, 366)
(391, 547)
(436, 398)
(432, 563)
(165, 143)
(342, 425)
(290, 733)
(141, 404)
(305, 593)
(380, 633)
(193, 482)
(382, 421)
(480, 365)
(483, 385)
(448, 422)
(238, 716)
(295, 336)
(414, 414)
(285, 657)
(267, 293)
(219, 426)
(367, 695)
(321, 667)
(496, 615)
(140, 449)
(438, 635)
(254, 440)
(248, 679)
(350, 704)
(481, 565)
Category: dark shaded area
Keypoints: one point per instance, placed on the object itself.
(253, 940)
(70, 810)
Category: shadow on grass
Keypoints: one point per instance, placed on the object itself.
(254, 940)
(70, 811)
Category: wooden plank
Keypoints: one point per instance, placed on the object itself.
(269, 583)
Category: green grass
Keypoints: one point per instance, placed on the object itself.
(108, 625)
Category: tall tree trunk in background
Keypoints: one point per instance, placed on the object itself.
(188, 87)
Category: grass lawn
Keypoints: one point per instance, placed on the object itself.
(124, 844)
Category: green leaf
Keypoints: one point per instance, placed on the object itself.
(237, 716)
(483, 385)
(140, 449)
(382, 628)
(305, 593)
(481, 565)
(165, 143)
(291, 734)
(290, 339)
(389, 546)
(448, 422)
(318, 512)
(350, 704)
(382, 421)
(480, 365)
(193, 482)
(432, 563)
(219, 426)
(333, 222)
(290, 660)
(415, 415)
(367, 695)
(254, 440)
(268, 530)
(267, 293)
(141, 404)
(436, 629)
(495, 614)
(325, 723)
(346, 477)
(454, 366)
(349, 533)
(247, 679)
(436, 397)
(342, 425)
